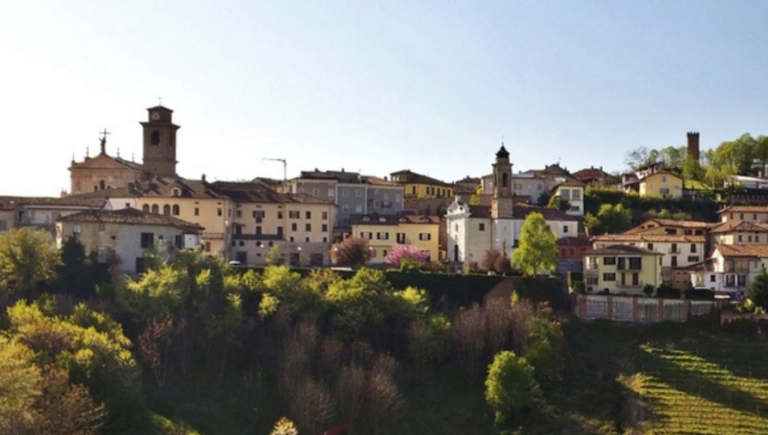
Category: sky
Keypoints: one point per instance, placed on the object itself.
(374, 86)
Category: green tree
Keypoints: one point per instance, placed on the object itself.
(610, 219)
(538, 246)
(545, 350)
(758, 290)
(274, 257)
(28, 259)
(692, 170)
(510, 386)
(559, 203)
(19, 386)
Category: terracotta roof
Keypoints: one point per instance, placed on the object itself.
(663, 172)
(257, 192)
(129, 216)
(623, 249)
(670, 223)
(11, 202)
(590, 174)
(759, 251)
(164, 187)
(744, 209)
(653, 238)
(737, 225)
(480, 211)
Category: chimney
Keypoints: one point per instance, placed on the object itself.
(693, 145)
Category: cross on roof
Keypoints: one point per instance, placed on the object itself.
(103, 140)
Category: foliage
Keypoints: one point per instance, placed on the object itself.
(430, 340)
(399, 253)
(510, 386)
(352, 252)
(78, 274)
(559, 203)
(758, 290)
(611, 219)
(545, 350)
(538, 247)
(28, 259)
(157, 293)
(356, 304)
(274, 257)
(284, 427)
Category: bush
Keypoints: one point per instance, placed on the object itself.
(667, 292)
(510, 386)
(701, 294)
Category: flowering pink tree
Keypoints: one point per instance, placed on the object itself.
(409, 252)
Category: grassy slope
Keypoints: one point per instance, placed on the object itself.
(664, 379)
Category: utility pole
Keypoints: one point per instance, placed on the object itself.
(285, 171)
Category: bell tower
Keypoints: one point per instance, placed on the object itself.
(503, 193)
(160, 142)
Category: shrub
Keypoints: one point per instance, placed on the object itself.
(510, 386)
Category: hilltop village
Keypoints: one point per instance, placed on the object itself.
(117, 208)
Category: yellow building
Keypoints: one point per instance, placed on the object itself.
(663, 184)
(621, 269)
(383, 232)
(419, 186)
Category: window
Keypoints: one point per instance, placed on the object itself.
(147, 240)
(712, 278)
(290, 239)
(609, 260)
(258, 230)
(358, 193)
(325, 228)
(166, 209)
(609, 276)
(175, 210)
(155, 139)
(673, 249)
(693, 248)
(425, 236)
(155, 209)
(635, 263)
(280, 232)
(382, 236)
(176, 192)
(325, 215)
(315, 192)
(400, 237)
(693, 259)
(344, 192)
(279, 214)
(308, 227)
(293, 214)
(481, 227)
(218, 211)
(238, 213)
(145, 208)
(197, 211)
(306, 239)
(366, 235)
(650, 246)
(565, 228)
(674, 261)
(294, 227)
(308, 215)
(740, 237)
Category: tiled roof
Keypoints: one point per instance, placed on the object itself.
(164, 187)
(653, 238)
(257, 192)
(662, 172)
(378, 181)
(590, 174)
(736, 225)
(392, 219)
(744, 209)
(129, 216)
(759, 251)
(669, 223)
(11, 202)
(623, 249)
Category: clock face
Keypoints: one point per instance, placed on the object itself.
(155, 116)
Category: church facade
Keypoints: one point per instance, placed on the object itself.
(104, 172)
(474, 230)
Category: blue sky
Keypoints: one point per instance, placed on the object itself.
(376, 86)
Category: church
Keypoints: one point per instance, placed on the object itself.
(474, 230)
(104, 172)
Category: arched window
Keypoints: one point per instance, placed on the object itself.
(504, 180)
(155, 138)
(166, 209)
(102, 185)
(155, 209)
(175, 210)
(145, 208)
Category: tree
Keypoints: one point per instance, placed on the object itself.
(638, 158)
(692, 170)
(610, 219)
(538, 246)
(352, 252)
(559, 203)
(28, 259)
(510, 385)
(758, 290)
(414, 253)
(274, 258)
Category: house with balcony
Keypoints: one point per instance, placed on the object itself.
(120, 237)
(734, 267)
(573, 192)
(385, 231)
(621, 269)
(662, 184)
(677, 252)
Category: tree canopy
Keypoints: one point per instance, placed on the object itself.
(538, 246)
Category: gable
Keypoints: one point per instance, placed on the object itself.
(101, 161)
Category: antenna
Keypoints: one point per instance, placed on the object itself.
(285, 167)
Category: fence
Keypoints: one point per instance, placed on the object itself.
(639, 309)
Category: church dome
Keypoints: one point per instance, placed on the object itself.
(502, 153)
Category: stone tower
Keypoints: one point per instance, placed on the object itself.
(693, 145)
(160, 142)
(503, 193)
